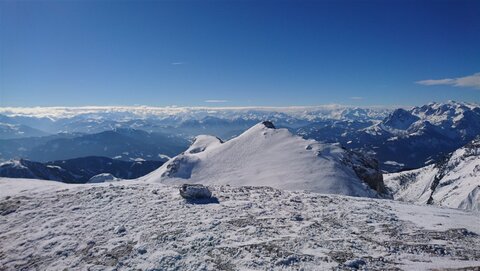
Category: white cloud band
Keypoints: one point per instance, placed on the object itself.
(216, 101)
(472, 81)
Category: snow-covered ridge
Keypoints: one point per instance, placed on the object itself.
(265, 156)
(453, 182)
(437, 113)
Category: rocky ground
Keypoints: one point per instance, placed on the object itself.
(148, 226)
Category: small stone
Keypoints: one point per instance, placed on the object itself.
(355, 263)
(141, 250)
(297, 217)
(120, 229)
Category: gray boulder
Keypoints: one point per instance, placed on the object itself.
(195, 191)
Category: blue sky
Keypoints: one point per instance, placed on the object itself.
(74, 53)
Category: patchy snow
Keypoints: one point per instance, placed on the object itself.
(138, 159)
(53, 166)
(163, 156)
(264, 156)
(139, 225)
(393, 163)
(14, 163)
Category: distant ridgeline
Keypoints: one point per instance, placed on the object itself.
(78, 170)
(400, 139)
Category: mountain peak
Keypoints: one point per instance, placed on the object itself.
(400, 119)
(268, 124)
(265, 156)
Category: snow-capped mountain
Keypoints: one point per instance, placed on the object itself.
(78, 170)
(424, 134)
(406, 138)
(266, 156)
(453, 119)
(400, 139)
(188, 122)
(453, 182)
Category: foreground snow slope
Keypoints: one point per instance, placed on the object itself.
(148, 226)
(453, 182)
(265, 156)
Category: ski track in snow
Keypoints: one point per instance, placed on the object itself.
(148, 226)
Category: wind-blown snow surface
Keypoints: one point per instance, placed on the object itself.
(265, 156)
(454, 182)
(46, 225)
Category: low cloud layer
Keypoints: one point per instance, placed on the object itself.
(216, 101)
(470, 81)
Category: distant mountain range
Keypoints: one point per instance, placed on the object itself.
(404, 138)
(79, 170)
(53, 120)
(8, 130)
(123, 144)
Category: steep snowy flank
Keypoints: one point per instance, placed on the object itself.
(453, 182)
(46, 225)
(265, 156)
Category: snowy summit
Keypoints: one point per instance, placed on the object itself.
(266, 156)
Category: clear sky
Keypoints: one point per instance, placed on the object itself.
(157, 53)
